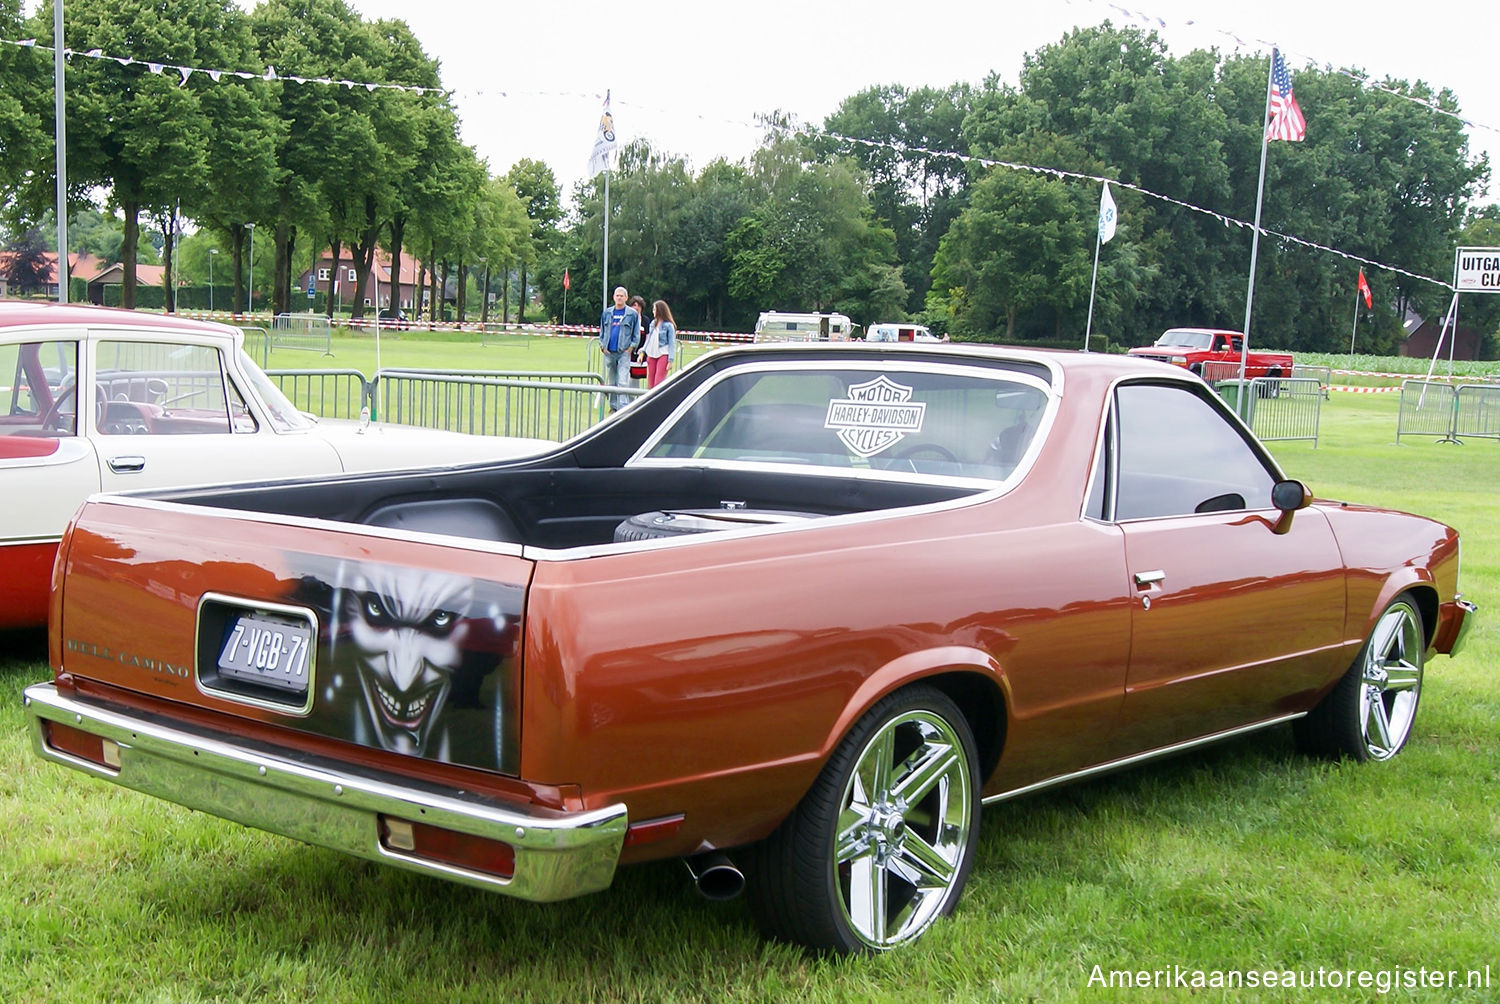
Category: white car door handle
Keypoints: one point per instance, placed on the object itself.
(1151, 578)
(127, 465)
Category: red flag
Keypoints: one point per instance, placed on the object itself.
(1364, 287)
(567, 283)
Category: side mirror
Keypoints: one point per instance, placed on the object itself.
(1289, 496)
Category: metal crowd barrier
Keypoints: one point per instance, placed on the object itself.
(1477, 413)
(312, 332)
(490, 405)
(326, 393)
(258, 345)
(1449, 412)
(1286, 408)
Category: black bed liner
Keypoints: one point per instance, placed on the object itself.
(558, 506)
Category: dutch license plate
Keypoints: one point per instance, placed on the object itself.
(267, 650)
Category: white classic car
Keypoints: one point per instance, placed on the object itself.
(164, 401)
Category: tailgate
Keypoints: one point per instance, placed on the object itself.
(406, 643)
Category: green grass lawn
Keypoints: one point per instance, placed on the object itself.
(1240, 857)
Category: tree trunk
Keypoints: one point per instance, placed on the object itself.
(237, 240)
(521, 296)
(129, 248)
(398, 231)
(505, 299)
(484, 298)
(461, 294)
(169, 278)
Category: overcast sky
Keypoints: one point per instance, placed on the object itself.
(690, 76)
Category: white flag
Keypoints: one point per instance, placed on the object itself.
(604, 142)
(1107, 215)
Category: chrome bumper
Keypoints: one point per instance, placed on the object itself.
(1459, 625)
(333, 805)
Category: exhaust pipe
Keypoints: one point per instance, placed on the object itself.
(715, 876)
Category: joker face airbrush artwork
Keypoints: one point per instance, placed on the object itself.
(419, 661)
(406, 625)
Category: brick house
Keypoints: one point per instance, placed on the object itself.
(340, 288)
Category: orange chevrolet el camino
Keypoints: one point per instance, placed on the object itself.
(794, 616)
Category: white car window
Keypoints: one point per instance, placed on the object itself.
(160, 388)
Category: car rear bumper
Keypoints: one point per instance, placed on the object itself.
(543, 854)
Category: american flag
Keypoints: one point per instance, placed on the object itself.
(1286, 118)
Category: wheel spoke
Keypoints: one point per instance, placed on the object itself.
(867, 902)
(1385, 640)
(1377, 723)
(923, 770)
(1402, 676)
(851, 839)
(922, 865)
(882, 752)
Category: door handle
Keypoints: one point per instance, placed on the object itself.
(1151, 578)
(127, 465)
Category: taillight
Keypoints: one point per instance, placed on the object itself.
(83, 745)
(409, 839)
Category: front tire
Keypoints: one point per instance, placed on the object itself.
(1369, 714)
(881, 845)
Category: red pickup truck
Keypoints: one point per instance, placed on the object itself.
(1191, 348)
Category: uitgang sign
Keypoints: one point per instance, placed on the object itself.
(875, 416)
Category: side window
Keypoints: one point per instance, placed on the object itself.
(159, 388)
(36, 388)
(1179, 455)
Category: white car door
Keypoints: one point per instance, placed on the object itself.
(170, 413)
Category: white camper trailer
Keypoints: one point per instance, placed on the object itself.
(778, 326)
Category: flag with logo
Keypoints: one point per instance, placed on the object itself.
(1286, 121)
(568, 283)
(1108, 216)
(1364, 287)
(604, 141)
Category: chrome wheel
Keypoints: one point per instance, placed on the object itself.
(1368, 715)
(1390, 681)
(881, 845)
(903, 829)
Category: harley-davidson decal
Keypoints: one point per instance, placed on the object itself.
(876, 415)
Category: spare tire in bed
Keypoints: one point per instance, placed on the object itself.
(680, 522)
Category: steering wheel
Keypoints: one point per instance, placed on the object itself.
(52, 421)
(925, 451)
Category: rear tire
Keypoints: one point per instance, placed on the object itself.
(881, 845)
(1368, 715)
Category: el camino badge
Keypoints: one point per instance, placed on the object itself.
(875, 416)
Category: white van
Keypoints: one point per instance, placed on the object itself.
(779, 326)
(900, 333)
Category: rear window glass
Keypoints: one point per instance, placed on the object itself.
(936, 422)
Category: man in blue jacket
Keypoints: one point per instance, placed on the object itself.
(619, 330)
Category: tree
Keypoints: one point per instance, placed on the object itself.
(24, 144)
(148, 132)
(813, 242)
(26, 264)
(909, 142)
(536, 186)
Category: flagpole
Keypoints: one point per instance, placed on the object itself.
(1355, 328)
(1260, 194)
(606, 233)
(1088, 328)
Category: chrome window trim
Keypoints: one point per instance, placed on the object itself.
(875, 366)
(1111, 427)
